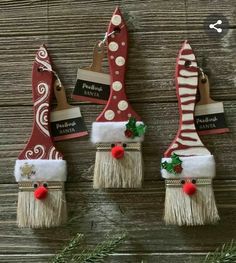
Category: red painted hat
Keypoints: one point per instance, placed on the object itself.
(110, 125)
(40, 160)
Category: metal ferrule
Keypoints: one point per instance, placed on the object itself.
(179, 182)
(128, 146)
(29, 186)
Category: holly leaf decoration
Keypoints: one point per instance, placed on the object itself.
(175, 166)
(141, 129)
(175, 159)
(131, 123)
(133, 130)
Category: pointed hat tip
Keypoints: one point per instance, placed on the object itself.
(117, 10)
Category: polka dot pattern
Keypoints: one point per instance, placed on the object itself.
(116, 20)
(117, 108)
(120, 61)
(109, 115)
(123, 105)
(117, 85)
(113, 46)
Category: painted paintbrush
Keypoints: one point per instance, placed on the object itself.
(118, 131)
(66, 120)
(209, 114)
(92, 84)
(188, 167)
(40, 170)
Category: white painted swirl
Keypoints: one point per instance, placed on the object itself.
(54, 154)
(42, 89)
(41, 55)
(42, 52)
(37, 152)
(41, 118)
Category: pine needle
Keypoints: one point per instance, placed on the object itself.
(224, 254)
(101, 251)
(67, 252)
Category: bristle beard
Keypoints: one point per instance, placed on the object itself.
(118, 173)
(46, 213)
(198, 209)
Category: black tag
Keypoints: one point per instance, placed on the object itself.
(214, 121)
(91, 91)
(68, 129)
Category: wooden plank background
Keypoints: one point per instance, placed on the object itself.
(156, 30)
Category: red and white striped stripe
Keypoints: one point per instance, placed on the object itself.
(187, 141)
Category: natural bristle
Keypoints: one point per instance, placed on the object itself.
(118, 173)
(198, 209)
(34, 213)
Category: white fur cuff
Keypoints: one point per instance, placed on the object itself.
(40, 170)
(193, 166)
(103, 132)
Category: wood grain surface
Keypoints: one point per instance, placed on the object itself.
(156, 30)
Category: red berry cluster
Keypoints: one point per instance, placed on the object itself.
(178, 168)
(129, 133)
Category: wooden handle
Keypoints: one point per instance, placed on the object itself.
(60, 95)
(40, 144)
(98, 55)
(204, 90)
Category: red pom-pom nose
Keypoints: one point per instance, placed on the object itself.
(41, 192)
(189, 188)
(118, 152)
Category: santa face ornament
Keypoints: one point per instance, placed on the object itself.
(188, 167)
(41, 197)
(40, 170)
(118, 131)
(118, 164)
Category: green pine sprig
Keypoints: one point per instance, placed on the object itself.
(101, 251)
(67, 252)
(224, 254)
(71, 253)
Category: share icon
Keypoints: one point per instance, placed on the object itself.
(216, 25)
(218, 29)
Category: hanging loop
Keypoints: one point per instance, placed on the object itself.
(54, 73)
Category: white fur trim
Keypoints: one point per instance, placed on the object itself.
(194, 167)
(112, 132)
(42, 170)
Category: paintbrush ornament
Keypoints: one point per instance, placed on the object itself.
(66, 120)
(188, 167)
(92, 84)
(209, 114)
(118, 131)
(40, 169)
